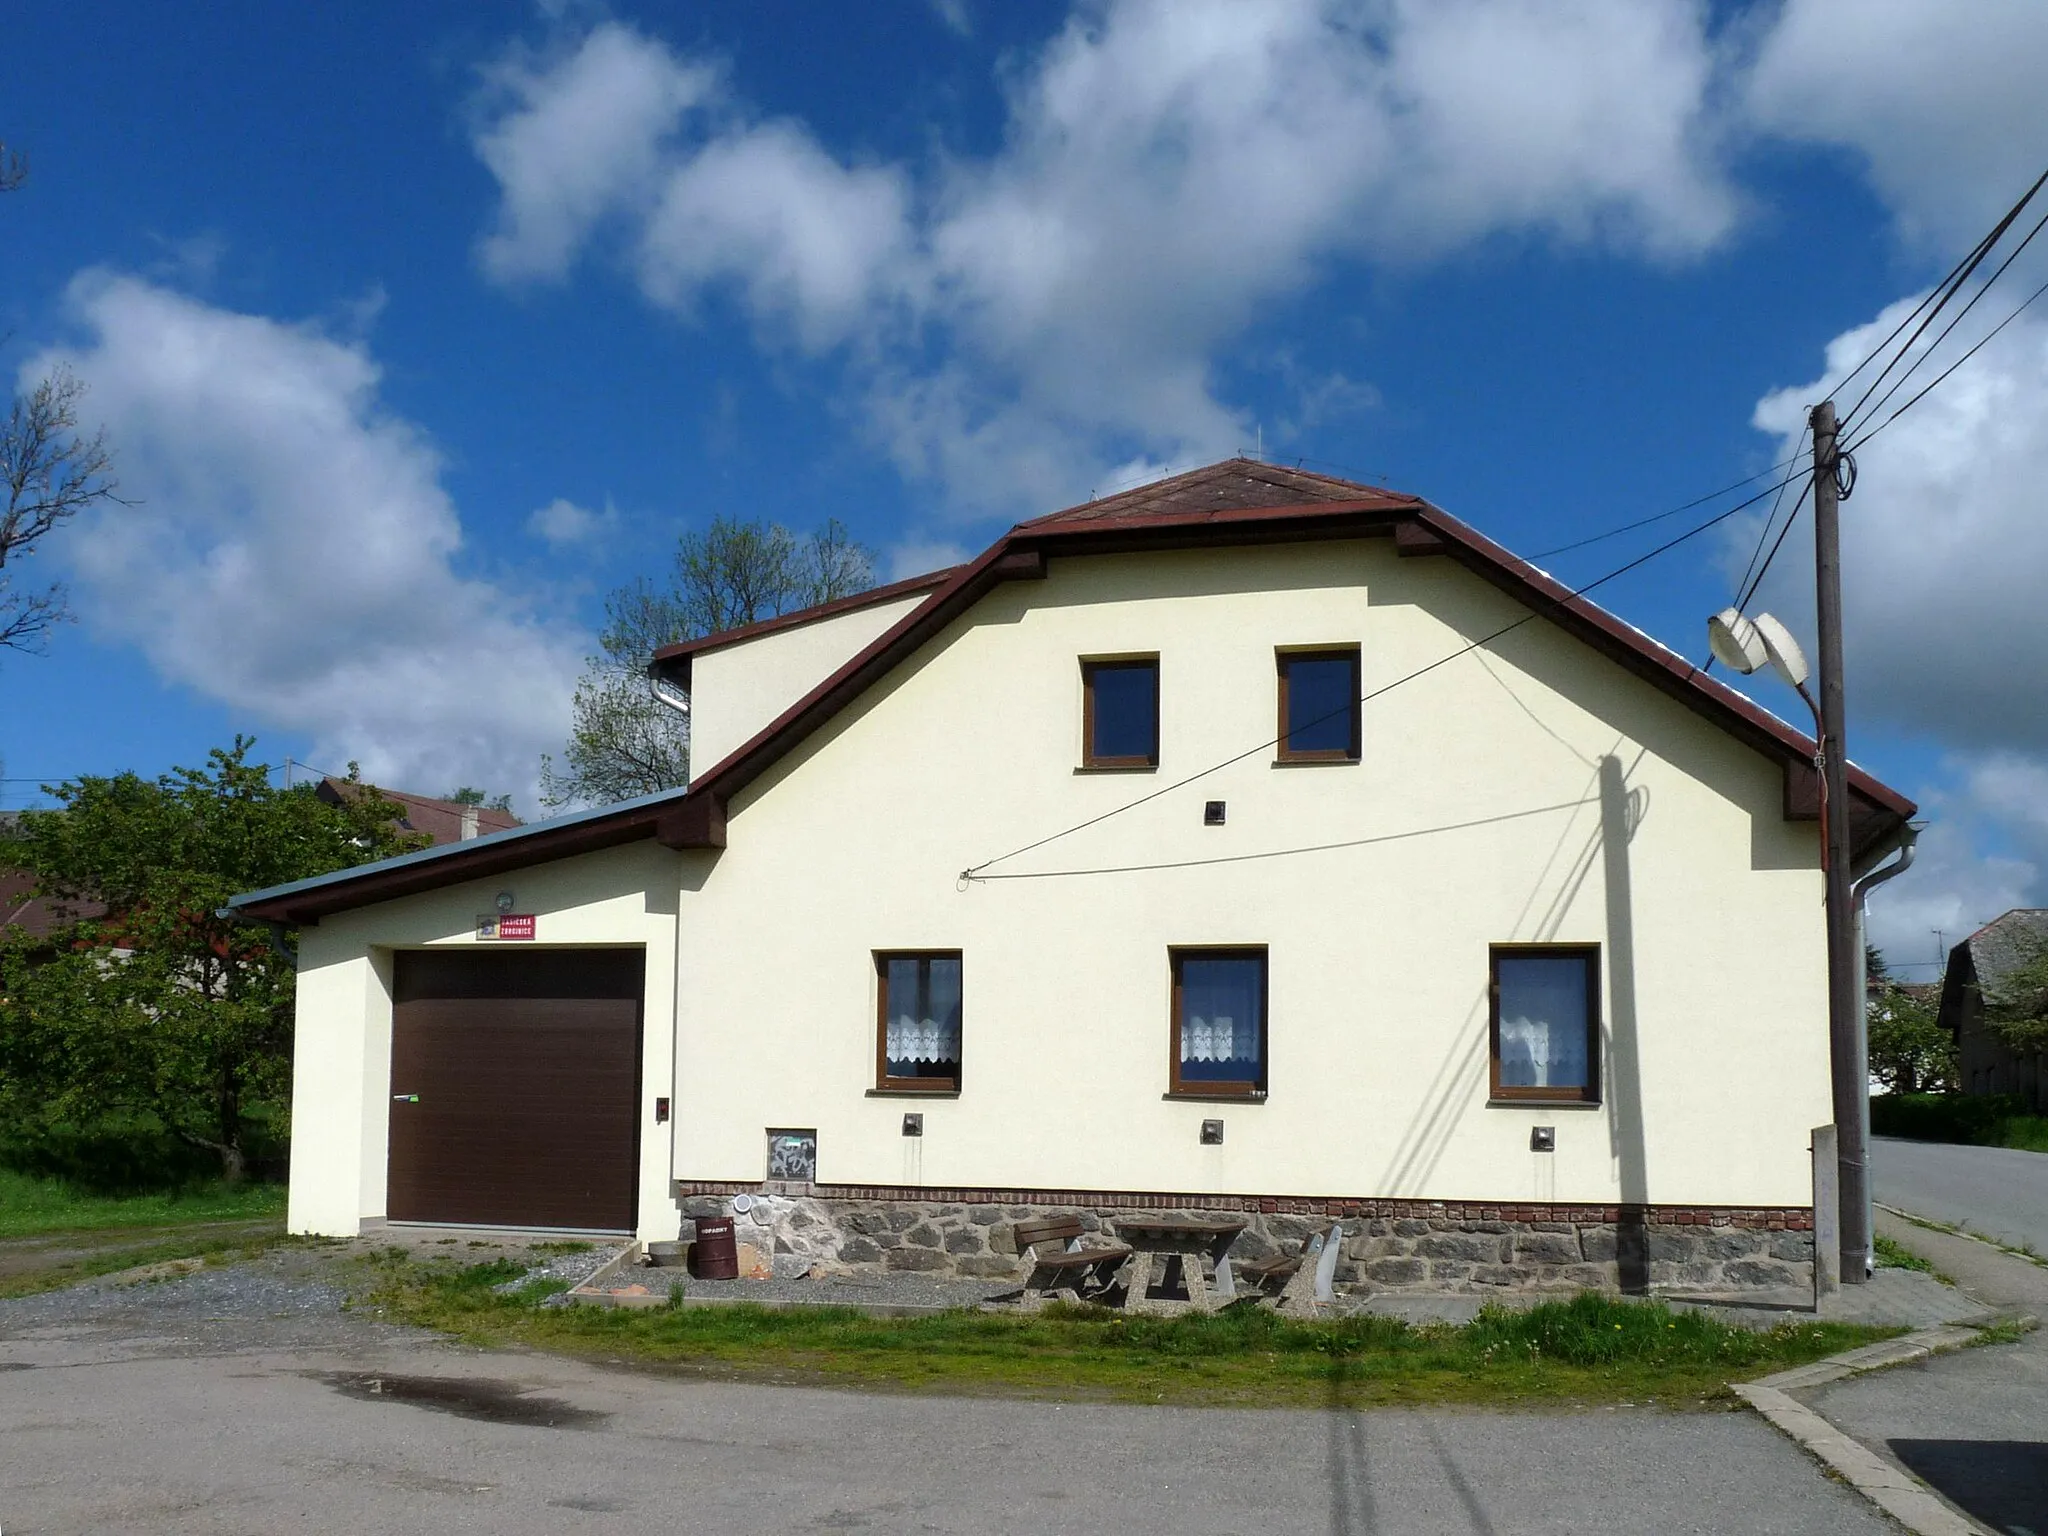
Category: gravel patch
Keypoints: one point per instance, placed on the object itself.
(288, 1297)
(836, 1290)
(572, 1269)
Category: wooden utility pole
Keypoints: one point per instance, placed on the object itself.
(1845, 1008)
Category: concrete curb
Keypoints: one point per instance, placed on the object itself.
(1890, 1487)
(591, 1290)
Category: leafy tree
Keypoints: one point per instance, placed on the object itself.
(1909, 1050)
(161, 1006)
(476, 797)
(624, 742)
(2019, 1015)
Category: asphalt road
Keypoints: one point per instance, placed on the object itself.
(1974, 1424)
(164, 1432)
(1995, 1191)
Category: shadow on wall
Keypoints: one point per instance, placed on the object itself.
(1621, 813)
(1460, 1077)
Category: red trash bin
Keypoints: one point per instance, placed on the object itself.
(715, 1255)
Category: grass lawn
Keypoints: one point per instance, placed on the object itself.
(1590, 1349)
(30, 1206)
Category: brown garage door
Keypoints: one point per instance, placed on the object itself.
(515, 1084)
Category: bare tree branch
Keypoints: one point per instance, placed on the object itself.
(48, 475)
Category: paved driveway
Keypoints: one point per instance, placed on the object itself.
(1993, 1190)
(156, 1410)
(1974, 1424)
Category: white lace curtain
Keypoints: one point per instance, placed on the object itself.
(1219, 1010)
(1542, 1022)
(924, 1009)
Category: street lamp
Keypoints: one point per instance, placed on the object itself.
(1747, 644)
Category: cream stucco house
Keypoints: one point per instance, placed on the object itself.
(1250, 841)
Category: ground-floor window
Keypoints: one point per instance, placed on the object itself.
(1545, 1022)
(918, 1036)
(1219, 1021)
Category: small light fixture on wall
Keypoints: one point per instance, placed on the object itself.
(507, 901)
(1212, 813)
(1543, 1138)
(1212, 1133)
(913, 1124)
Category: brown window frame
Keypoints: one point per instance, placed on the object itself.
(1515, 1093)
(1090, 666)
(1285, 654)
(884, 1083)
(1207, 1088)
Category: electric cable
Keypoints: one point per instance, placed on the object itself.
(974, 871)
(1946, 293)
(1750, 591)
(1644, 522)
(1765, 532)
(1951, 368)
(1961, 315)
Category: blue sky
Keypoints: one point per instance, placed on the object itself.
(417, 328)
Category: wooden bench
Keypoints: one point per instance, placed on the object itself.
(1065, 1269)
(1297, 1282)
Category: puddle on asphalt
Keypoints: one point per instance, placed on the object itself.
(493, 1402)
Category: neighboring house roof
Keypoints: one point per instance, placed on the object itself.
(1239, 501)
(38, 916)
(442, 821)
(2002, 946)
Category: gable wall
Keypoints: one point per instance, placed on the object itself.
(1492, 805)
(738, 689)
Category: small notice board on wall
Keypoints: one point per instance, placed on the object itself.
(505, 925)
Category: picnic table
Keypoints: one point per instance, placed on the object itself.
(1177, 1247)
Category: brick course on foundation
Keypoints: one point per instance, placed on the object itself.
(1389, 1245)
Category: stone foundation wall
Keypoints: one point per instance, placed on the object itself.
(1391, 1246)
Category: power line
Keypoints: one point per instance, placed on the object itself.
(1644, 522)
(973, 872)
(1765, 532)
(1951, 368)
(1944, 293)
(1961, 315)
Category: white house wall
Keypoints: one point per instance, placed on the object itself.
(341, 1090)
(1535, 791)
(738, 689)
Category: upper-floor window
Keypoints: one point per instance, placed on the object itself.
(1319, 705)
(918, 1036)
(1219, 1021)
(1120, 712)
(1546, 1022)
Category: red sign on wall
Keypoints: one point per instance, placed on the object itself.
(508, 925)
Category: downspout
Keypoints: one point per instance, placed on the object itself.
(283, 946)
(664, 692)
(1909, 838)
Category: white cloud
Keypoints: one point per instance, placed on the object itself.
(1022, 322)
(295, 554)
(563, 522)
(920, 557)
(808, 241)
(573, 138)
(1943, 548)
(1952, 890)
(1945, 539)
(1942, 103)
